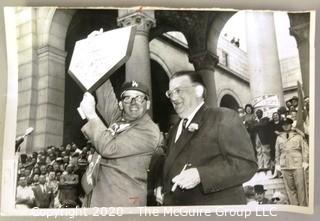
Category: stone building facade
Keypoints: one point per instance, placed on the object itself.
(48, 97)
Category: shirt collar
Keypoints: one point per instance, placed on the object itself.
(190, 117)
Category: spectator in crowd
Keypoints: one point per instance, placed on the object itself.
(288, 105)
(43, 194)
(42, 159)
(43, 169)
(52, 182)
(279, 198)
(56, 166)
(293, 116)
(35, 180)
(126, 145)
(276, 128)
(262, 142)
(36, 170)
(90, 154)
(68, 149)
(61, 149)
(260, 194)
(295, 102)
(249, 122)
(24, 194)
(68, 186)
(282, 112)
(292, 159)
(250, 195)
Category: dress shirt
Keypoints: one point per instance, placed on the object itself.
(190, 117)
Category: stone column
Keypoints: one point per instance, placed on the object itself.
(50, 103)
(205, 63)
(263, 59)
(28, 74)
(300, 28)
(138, 66)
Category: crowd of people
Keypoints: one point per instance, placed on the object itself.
(281, 146)
(50, 178)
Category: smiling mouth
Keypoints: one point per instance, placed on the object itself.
(134, 109)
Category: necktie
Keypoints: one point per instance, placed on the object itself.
(287, 135)
(184, 123)
(181, 128)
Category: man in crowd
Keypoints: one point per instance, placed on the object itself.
(126, 144)
(250, 195)
(292, 159)
(68, 186)
(260, 194)
(43, 194)
(209, 153)
(24, 195)
(262, 142)
(276, 128)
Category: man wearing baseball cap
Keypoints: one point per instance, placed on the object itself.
(292, 157)
(123, 147)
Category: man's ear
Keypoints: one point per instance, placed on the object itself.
(199, 90)
(120, 105)
(148, 104)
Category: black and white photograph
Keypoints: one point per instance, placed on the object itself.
(158, 107)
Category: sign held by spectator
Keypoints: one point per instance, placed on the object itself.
(95, 58)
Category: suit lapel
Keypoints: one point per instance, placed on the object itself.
(176, 148)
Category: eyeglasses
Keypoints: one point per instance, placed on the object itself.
(276, 199)
(138, 99)
(177, 91)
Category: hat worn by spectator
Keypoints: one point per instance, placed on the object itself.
(134, 85)
(287, 120)
(259, 189)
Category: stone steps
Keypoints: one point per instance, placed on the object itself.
(271, 185)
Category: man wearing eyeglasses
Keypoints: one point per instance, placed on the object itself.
(209, 152)
(125, 145)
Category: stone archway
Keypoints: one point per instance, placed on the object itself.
(229, 101)
(162, 108)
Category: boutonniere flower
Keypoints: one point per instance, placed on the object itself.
(193, 127)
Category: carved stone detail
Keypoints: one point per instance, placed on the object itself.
(143, 21)
(204, 60)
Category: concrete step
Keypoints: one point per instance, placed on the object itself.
(270, 184)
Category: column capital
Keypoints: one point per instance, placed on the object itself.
(300, 32)
(204, 60)
(143, 21)
(299, 26)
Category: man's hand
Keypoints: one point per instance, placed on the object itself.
(187, 179)
(158, 194)
(88, 106)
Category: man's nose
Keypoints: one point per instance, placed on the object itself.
(133, 99)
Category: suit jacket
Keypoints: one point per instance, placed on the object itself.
(221, 151)
(43, 199)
